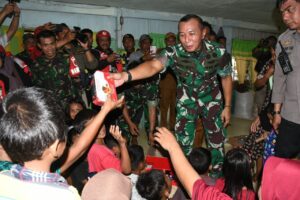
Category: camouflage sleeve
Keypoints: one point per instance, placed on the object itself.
(225, 64)
(166, 57)
(35, 73)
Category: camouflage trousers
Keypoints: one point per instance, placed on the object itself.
(138, 100)
(209, 109)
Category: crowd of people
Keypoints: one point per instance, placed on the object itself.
(56, 143)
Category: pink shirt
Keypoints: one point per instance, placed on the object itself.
(100, 158)
(203, 192)
(281, 179)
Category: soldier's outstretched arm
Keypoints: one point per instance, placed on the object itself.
(144, 70)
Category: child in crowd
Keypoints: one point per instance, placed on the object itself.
(81, 144)
(79, 170)
(84, 140)
(237, 181)
(73, 108)
(108, 184)
(33, 135)
(137, 158)
(200, 159)
(154, 185)
(187, 175)
(113, 145)
(100, 157)
(259, 137)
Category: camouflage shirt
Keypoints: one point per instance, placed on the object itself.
(196, 72)
(54, 75)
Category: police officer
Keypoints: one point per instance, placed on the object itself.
(196, 63)
(286, 93)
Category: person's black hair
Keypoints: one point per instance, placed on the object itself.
(27, 36)
(280, 2)
(150, 185)
(213, 33)
(110, 142)
(200, 159)
(221, 38)
(32, 121)
(82, 118)
(208, 25)
(45, 34)
(60, 27)
(86, 30)
(272, 41)
(188, 17)
(136, 154)
(237, 173)
(75, 101)
(128, 35)
(264, 118)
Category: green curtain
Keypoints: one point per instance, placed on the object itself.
(158, 40)
(15, 44)
(243, 48)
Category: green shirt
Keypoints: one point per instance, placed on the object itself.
(197, 72)
(54, 75)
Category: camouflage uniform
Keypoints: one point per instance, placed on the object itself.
(54, 75)
(198, 93)
(139, 95)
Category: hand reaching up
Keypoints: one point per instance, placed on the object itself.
(117, 134)
(110, 104)
(166, 139)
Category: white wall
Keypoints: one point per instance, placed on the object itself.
(137, 22)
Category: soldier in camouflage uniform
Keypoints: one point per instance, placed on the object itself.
(196, 63)
(51, 70)
(142, 96)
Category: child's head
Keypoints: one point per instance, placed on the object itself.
(266, 117)
(153, 185)
(137, 158)
(200, 159)
(32, 123)
(82, 119)
(108, 184)
(75, 106)
(113, 145)
(237, 172)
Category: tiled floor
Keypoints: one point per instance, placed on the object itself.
(238, 127)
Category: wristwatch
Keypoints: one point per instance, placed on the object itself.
(129, 76)
(276, 112)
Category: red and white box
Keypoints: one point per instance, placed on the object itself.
(103, 86)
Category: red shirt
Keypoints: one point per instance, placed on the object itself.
(100, 158)
(245, 195)
(203, 192)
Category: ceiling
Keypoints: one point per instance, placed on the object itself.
(257, 11)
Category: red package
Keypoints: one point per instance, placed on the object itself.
(74, 70)
(103, 86)
(163, 164)
(2, 90)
